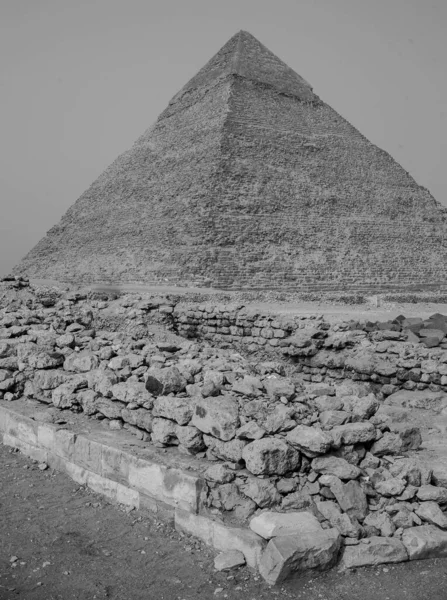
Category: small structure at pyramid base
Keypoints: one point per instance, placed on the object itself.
(249, 181)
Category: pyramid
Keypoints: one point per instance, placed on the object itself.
(248, 180)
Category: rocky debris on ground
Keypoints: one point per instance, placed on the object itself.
(330, 450)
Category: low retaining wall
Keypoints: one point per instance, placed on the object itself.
(104, 463)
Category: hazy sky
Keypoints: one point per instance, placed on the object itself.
(82, 79)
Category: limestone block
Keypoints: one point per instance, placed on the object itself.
(88, 454)
(288, 555)
(220, 536)
(426, 541)
(379, 550)
(26, 448)
(115, 464)
(171, 486)
(229, 560)
(272, 524)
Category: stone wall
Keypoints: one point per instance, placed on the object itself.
(326, 456)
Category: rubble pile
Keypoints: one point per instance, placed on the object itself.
(276, 444)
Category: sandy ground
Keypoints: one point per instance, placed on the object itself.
(61, 542)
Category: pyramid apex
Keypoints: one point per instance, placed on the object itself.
(246, 56)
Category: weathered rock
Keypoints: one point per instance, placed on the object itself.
(132, 391)
(177, 409)
(250, 431)
(219, 473)
(231, 450)
(288, 555)
(270, 456)
(380, 521)
(298, 500)
(272, 524)
(87, 399)
(430, 512)
(228, 497)
(309, 440)
(102, 381)
(163, 431)
(64, 396)
(426, 541)
(41, 360)
(280, 419)
(341, 521)
(248, 386)
(217, 416)
(261, 491)
(390, 487)
(190, 438)
(164, 380)
(333, 418)
(389, 443)
(353, 433)
(378, 551)
(108, 408)
(140, 417)
(425, 399)
(81, 362)
(276, 387)
(226, 561)
(332, 465)
(351, 498)
(49, 379)
(67, 340)
(432, 492)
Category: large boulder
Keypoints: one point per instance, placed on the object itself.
(426, 541)
(291, 555)
(270, 456)
(218, 416)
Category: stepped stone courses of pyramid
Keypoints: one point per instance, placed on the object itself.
(249, 180)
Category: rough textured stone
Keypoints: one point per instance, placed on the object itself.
(430, 512)
(350, 497)
(353, 433)
(288, 555)
(390, 487)
(261, 491)
(177, 409)
(432, 492)
(226, 561)
(330, 511)
(426, 541)
(378, 551)
(270, 456)
(332, 465)
(271, 524)
(164, 380)
(218, 417)
(276, 387)
(309, 440)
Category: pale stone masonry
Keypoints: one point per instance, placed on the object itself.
(248, 180)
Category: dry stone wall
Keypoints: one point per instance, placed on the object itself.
(327, 457)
